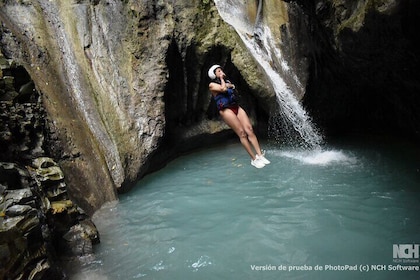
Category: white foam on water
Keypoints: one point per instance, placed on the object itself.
(319, 157)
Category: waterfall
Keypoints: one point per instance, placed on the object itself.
(263, 48)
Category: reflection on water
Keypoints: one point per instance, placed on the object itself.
(211, 215)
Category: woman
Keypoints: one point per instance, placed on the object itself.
(223, 93)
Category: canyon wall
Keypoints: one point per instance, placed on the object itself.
(124, 83)
(125, 89)
(363, 64)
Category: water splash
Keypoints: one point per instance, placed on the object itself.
(203, 261)
(267, 54)
(319, 157)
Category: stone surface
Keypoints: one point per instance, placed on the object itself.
(36, 213)
(125, 83)
(37, 229)
(363, 65)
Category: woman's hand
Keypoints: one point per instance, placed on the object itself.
(230, 85)
(222, 75)
(222, 78)
(224, 85)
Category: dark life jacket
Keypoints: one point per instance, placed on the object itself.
(225, 99)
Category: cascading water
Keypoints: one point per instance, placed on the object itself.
(262, 47)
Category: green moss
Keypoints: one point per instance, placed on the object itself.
(204, 5)
(357, 18)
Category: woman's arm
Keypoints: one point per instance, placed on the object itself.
(218, 88)
(230, 85)
(222, 87)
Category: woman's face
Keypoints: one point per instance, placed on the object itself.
(219, 72)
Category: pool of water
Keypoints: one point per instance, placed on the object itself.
(338, 213)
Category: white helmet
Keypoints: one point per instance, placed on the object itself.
(212, 69)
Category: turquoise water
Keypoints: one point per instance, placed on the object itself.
(211, 215)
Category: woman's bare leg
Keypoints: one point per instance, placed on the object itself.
(233, 122)
(246, 123)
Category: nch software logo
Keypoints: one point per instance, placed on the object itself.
(405, 253)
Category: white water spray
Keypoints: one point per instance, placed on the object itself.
(265, 52)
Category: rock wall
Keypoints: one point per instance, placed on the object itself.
(39, 224)
(40, 227)
(124, 83)
(363, 64)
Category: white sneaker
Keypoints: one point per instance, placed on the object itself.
(262, 159)
(257, 163)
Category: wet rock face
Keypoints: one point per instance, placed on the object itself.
(39, 224)
(364, 60)
(21, 114)
(125, 84)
